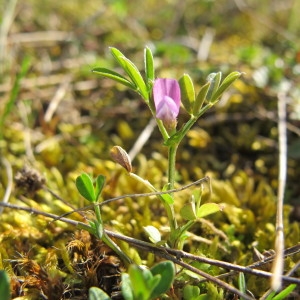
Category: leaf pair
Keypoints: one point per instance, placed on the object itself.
(86, 188)
(210, 92)
(135, 81)
(193, 210)
(144, 284)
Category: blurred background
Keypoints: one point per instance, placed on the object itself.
(60, 42)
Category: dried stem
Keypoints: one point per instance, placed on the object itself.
(9, 174)
(278, 264)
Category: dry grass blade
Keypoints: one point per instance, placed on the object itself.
(7, 19)
(9, 186)
(278, 264)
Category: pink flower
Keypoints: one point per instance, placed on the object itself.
(166, 94)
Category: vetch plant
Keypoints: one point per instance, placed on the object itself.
(144, 284)
(164, 97)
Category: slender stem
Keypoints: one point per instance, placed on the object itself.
(171, 182)
(98, 213)
(179, 242)
(169, 208)
(171, 167)
(162, 129)
(108, 241)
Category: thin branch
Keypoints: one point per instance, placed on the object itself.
(199, 181)
(162, 252)
(159, 251)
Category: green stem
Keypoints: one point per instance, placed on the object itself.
(169, 208)
(171, 182)
(172, 164)
(178, 244)
(162, 129)
(108, 241)
(98, 213)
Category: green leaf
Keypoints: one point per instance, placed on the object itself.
(190, 292)
(114, 76)
(136, 77)
(127, 292)
(188, 211)
(227, 82)
(153, 283)
(149, 67)
(285, 293)
(139, 278)
(100, 182)
(117, 54)
(153, 234)
(187, 92)
(4, 285)
(270, 296)
(97, 294)
(167, 198)
(214, 79)
(85, 187)
(99, 229)
(208, 209)
(91, 229)
(132, 71)
(242, 283)
(201, 97)
(166, 270)
(177, 136)
(197, 197)
(173, 139)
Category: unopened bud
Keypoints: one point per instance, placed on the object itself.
(120, 156)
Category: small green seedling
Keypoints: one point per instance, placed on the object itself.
(92, 193)
(144, 284)
(141, 283)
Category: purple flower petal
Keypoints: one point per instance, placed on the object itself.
(167, 109)
(166, 94)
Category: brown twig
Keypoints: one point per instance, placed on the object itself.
(161, 251)
(171, 254)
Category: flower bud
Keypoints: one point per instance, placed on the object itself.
(166, 94)
(120, 156)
